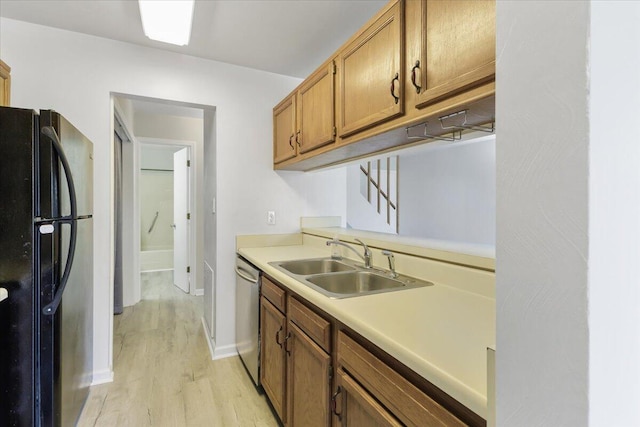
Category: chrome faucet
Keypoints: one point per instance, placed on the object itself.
(367, 252)
(392, 263)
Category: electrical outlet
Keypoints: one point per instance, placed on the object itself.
(271, 217)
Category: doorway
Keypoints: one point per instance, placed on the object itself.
(156, 127)
(168, 125)
(165, 209)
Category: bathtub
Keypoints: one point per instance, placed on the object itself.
(156, 260)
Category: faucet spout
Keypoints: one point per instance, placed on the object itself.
(367, 252)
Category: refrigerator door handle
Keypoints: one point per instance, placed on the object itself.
(50, 132)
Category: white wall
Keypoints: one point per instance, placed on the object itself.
(568, 211)
(156, 157)
(542, 201)
(76, 74)
(210, 226)
(447, 192)
(614, 215)
(361, 214)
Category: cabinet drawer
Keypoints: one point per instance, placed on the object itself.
(402, 398)
(274, 293)
(312, 324)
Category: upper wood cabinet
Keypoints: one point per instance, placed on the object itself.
(456, 43)
(5, 84)
(371, 78)
(419, 69)
(284, 130)
(316, 110)
(305, 120)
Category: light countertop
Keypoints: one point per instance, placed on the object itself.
(441, 332)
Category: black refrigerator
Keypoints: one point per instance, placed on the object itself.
(46, 268)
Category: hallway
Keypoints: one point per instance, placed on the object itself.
(164, 375)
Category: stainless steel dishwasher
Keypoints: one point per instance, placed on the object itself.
(248, 316)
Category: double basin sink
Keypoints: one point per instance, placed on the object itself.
(344, 278)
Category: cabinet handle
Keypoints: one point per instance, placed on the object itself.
(393, 88)
(334, 404)
(278, 337)
(286, 347)
(298, 138)
(291, 143)
(413, 76)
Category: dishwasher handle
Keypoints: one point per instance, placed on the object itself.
(245, 275)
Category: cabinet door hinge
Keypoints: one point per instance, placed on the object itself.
(330, 372)
(335, 131)
(333, 68)
(188, 163)
(189, 269)
(188, 216)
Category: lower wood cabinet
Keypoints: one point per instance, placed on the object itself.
(355, 407)
(295, 370)
(300, 347)
(273, 356)
(308, 381)
(404, 400)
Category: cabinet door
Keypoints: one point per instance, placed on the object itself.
(272, 355)
(355, 407)
(284, 124)
(308, 384)
(458, 48)
(371, 81)
(316, 110)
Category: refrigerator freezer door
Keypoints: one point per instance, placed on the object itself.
(79, 152)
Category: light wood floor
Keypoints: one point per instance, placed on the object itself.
(163, 372)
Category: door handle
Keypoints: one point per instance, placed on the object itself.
(50, 132)
(245, 275)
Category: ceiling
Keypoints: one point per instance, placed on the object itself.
(290, 37)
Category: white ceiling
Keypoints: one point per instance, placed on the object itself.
(290, 37)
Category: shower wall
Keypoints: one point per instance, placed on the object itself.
(156, 208)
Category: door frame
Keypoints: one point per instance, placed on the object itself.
(161, 142)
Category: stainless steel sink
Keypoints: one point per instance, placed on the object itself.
(305, 267)
(355, 282)
(344, 279)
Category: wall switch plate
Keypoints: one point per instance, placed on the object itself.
(271, 217)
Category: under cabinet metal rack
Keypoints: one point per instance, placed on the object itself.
(448, 123)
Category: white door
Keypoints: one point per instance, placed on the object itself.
(181, 219)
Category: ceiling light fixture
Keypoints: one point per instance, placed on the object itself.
(168, 21)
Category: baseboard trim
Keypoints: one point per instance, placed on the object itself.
(199, 292)
(217, 352)
(207, 336)
(225, 351)
(102, 377)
